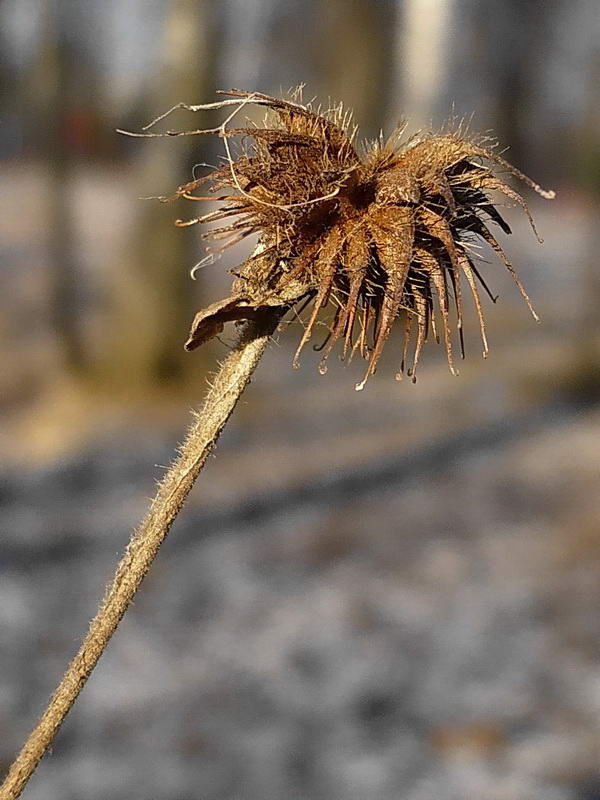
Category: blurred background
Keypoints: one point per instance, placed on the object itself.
(370, 596)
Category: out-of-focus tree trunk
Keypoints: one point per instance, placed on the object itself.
(352, 51)
(525, 27)
(496, 55)
(152, 293)
(49, 84)
(586, 162)
(423, 45)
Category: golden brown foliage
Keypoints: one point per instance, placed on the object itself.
(372, 237)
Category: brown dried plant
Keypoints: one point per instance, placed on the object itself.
(368, 236)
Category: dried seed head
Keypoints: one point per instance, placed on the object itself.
(366, 239)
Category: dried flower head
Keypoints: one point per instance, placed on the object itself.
(367, 237)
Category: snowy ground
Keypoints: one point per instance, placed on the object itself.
(434, 636)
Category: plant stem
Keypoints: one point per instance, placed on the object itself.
(228, 385)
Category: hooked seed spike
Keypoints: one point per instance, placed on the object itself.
(466, 266)
(496, 217)
(338, 326)
(466, 187)
(329, 255)
(356, 263)
(422, 309)
(406, 342)
(495, 184)
(493, 297)
(489, 238)
(431, 315)
(440, 229)
(547, 194)
(356, 283)
(459, 313)
(439, 282)
(392, 230)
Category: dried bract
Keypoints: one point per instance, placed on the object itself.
(367, 237)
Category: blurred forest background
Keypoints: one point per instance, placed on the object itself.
(372, 596)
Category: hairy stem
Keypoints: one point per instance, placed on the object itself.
(228, 385)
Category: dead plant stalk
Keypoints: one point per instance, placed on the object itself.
(226, 389)
(379, 234)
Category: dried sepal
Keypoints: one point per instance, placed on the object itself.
(375, 236)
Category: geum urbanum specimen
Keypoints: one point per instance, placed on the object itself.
(367, 236)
